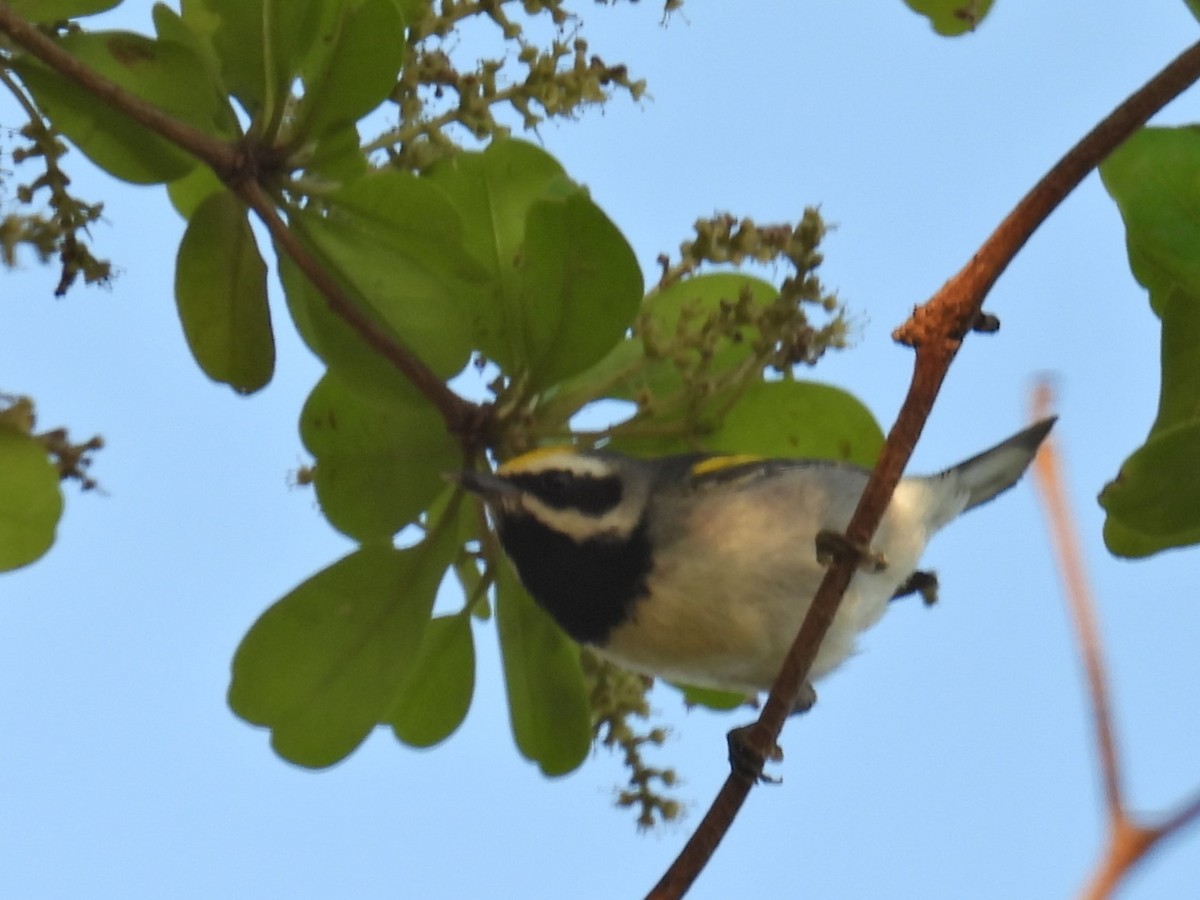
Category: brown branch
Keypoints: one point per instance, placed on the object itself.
(457, 412)
(935, 331)
(236, 165)
(220, 156)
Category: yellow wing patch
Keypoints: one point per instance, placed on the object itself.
(717, 463)
(529, 460)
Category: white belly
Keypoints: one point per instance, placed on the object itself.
(723, 610)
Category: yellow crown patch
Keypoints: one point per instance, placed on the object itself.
(526, 460)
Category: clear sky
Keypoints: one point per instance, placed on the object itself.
(952, 758)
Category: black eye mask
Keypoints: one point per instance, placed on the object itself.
(561, 489)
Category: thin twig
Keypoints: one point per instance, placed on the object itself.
(935, 331)
(1080, 604)
(1128, 840)
(1181, 818)
(1129, 843)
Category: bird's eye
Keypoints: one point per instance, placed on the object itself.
(563, 489)
(556, 487)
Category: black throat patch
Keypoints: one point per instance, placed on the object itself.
(589, 587)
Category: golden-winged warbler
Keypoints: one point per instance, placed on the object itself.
(699, 568)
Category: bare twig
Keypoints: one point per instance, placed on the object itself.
(1128, 840)
(1080, 603)
(935, 331)
(1182, 817)
(1129, 843)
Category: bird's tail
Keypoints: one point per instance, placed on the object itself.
(996, 470)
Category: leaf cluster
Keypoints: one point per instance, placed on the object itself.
(399, 275)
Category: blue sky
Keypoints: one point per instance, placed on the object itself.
(952, 758)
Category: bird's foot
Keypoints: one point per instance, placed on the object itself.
(919, 582)
(748, 759)
(746, 756)
(833, 545)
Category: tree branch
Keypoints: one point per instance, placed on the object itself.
(223, 158)
(935, 330)
(237, 167)
(457, 412)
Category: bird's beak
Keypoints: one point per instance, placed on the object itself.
(485, 484)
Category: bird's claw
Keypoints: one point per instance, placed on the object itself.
(747, 760)
(919, 582)
(833, 545)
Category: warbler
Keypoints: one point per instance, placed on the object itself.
(699, 568)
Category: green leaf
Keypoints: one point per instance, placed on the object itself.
(336, 157)
(379, 462)
(397, 241)
(48, 11)
(799, 419)
(234, 30)
(291, 29)
(493, 192)
(326, 663)
(682, 313)
(437, 693)
(1154, 503)
(166, 74)
(187, 193)
(412, 11)
(952, 17)
(1151, 504)
(547, 698)
(221, 292)
(788, 419)
(1179, 399)
(353, 67)
(581, 287)
(337, 344)
(1127, 542)
(1152, 178)
(678, 315)
(1193, 7)
(30, 500)
(169, 26)
(701, 393)
(1157, 493)
(712, 699)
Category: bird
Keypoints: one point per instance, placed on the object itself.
(699, 568)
